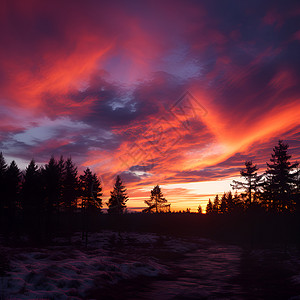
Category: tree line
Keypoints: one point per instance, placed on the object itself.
(276, 190)
(53, 188)
(57, 187)
(44, 201)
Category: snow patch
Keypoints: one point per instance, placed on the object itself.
(64, 271)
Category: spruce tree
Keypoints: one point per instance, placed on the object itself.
(118, 198)
(156, 203)
(238, 203)
(199, 209)
(70, 188)
(52, 179)
(61, 174)
(90, 193)
(230, 202)
(224, 204)
(280, 180)
(216, 205)
(3, 184)
(32, 201)
(251, 184)
(97, 192)
(209, 207)
(90, 190)
(13, 180)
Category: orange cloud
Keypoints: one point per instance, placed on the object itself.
(117, 70)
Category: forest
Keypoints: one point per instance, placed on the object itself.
(276, 190)
(54, 199)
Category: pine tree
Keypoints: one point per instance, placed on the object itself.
(209, 207)
(199, 209)
(118, 198)
(230, 202)
(97, 192)
(52, 181)
(32, 202)
(156, 202)
(280, 180)
(224, 204)
(13, 180)
(3, 184)
(238, 202)
(216, 205)
(252, 181)
(70, 188)
(90, 191)
(61, 174)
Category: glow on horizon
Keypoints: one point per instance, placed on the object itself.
(191, 194)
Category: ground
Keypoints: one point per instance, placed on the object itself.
(132, 265)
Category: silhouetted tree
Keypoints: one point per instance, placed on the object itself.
(32, 202)
(3, 184)
(13, 181)
(118, 198)
(238, 202)
(97, 192)
(230, 202)
(224, 204)
(62, 173)
(280, 180)
(157, 202)
(199, 209)
(252, 181)
(70, 189)
(209, 207)
(52, 179)
(90, 190)
(216, 205)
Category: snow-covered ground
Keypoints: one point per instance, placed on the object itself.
(154, 267)
(63, 271)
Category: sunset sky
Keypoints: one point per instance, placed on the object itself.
(175, 93)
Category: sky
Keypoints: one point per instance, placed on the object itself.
(175, 93)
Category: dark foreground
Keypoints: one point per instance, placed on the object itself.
(147, 266)
(152, 257)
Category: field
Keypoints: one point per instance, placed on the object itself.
(126, 264)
